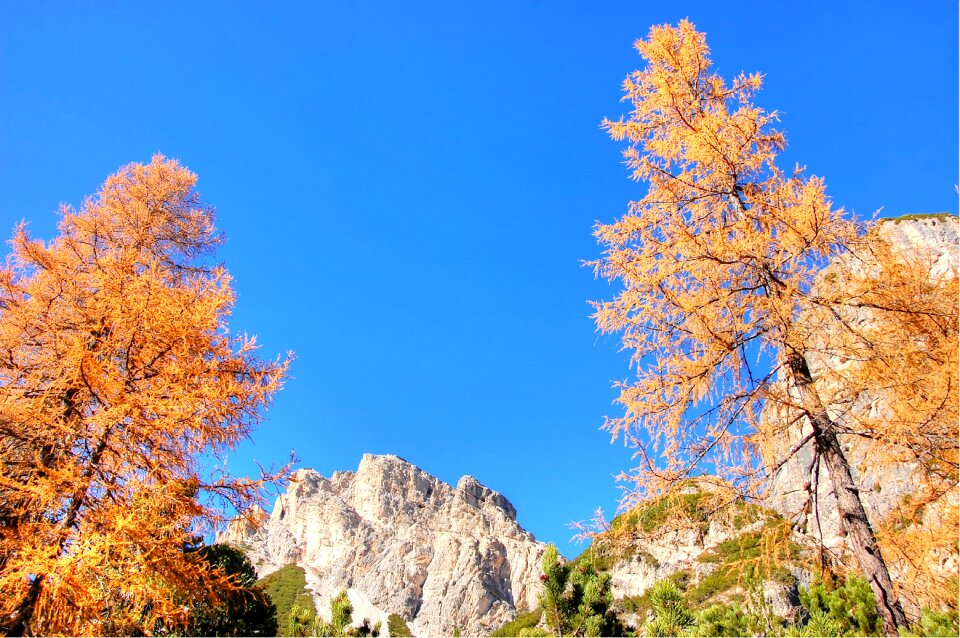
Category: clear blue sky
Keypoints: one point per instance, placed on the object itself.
(408, 190)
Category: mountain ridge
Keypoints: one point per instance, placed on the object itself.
(401, 541)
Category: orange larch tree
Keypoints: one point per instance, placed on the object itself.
(119, 380)
(719, 264)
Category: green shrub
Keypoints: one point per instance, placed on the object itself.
(671, 615)
(935, 623)
(576, 599)
(524, 620)
(397, 626)
(721, 620)
(244, 612)
(849, 609)
(651, 517)
(303, 622)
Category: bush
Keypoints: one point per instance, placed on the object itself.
(672, 616)
(851, 609)
(935, 623)
(721, 620)
(303, 623)
(397, 626)
(245, 612)
(524, 620)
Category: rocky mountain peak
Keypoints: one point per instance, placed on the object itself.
(401, 541)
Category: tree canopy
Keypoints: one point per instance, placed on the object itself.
(118, 376)
(723, 311)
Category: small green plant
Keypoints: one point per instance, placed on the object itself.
(305, 622)
(286, 587)
(397, 626)
(721, 620)
(524, 621)
(819, 623)
(671, 615)
(852, 606)
(300, 621)
(935, 623)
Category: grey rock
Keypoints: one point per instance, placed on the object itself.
(882, 487)
(401, 541)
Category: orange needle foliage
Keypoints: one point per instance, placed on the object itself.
(117, 372)
(718, 263)
(715, 261)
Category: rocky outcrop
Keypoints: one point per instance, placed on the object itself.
(401, 541)
(712, 554)
(934, 242)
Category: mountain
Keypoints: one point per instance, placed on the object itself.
(401, 541)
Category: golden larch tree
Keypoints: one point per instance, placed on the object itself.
(719, 263)
(119, 383)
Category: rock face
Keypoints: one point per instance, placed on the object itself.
(701, 554)
(934, 240)
(401, 541)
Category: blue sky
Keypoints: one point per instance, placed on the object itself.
(408, 191)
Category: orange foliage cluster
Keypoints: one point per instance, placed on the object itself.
(715, 261)
(116, 373)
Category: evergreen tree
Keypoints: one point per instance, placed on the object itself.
(576, 600)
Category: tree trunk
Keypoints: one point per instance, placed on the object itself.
(853, 518)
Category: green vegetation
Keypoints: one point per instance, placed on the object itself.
(690, 510)
(642, 605)
(247, 611)
(741, 561)
(616, 544)
(920, 216)
(828, 608)
(525, 620)
(721, 620)
(936, 623)
(576, 599)
(652, 517)
(738, 560)
(286, 587)
(671, 615)
(303, 622)
(847, 610)
(397, 626)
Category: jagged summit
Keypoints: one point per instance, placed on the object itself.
(401, 541)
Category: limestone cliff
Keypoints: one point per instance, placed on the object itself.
(920, 547)
(934, 240)
(401, 541)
